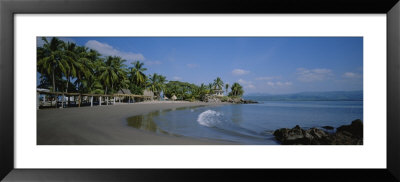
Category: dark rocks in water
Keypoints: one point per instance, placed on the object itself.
(328, 127)
(349, 134)
(298, 135)
(345, 135)
(249, 102)
(238, 100)
(354, 130)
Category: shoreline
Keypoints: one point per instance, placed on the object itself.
(105, 125)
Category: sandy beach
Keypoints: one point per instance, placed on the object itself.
(106, 125)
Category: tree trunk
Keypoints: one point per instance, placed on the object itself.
(79, 102)
(67, 91)
(54, 81)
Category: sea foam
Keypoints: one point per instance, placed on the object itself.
(209, 118)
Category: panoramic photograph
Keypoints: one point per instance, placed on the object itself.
(199, 91)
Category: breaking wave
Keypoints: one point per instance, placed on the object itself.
(214, 119)
(210, 118)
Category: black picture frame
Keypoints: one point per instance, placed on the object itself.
(8, 8)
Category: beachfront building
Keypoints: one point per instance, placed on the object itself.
(218, 92)
(124, 91)
(42, 100)
(148, 94)
(122, 94)
(173, 98)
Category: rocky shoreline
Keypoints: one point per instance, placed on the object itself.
(215, 99)
(241, 101)
(345, 135)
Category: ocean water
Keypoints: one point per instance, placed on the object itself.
(252, 124)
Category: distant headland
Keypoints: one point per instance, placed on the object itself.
(311, 96)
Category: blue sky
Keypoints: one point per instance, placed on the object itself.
(274, 65)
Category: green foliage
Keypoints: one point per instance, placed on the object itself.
(218, 83)
(136, 74)
(135, 89)
(236, 90)
(60, 62)
(52, 61)
(182, 90)
(113, 74)
(156, 84)
(65, 66)
(224, 98)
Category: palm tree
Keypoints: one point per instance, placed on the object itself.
(156, 84)
(86, 60)
(161, 81)
(51, 59)
(86, 78)
(203, 88)
(93, 84)
(202, 91)
(174, 90)
(226, 88)
(122, 73)
(71, 53)
(218, 83)
(210, 87)
(73, 64)
(236, 90)
(112, 73)
(136, 73)
(183, 92)
(153, 83)
(59, 63)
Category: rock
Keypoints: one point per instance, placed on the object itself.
(345, 135)
(234, 100)
(211, 98)
(328, 127)
(345, 139)
(353, 130)
(249, 102)
(317, 133)
(299, 136)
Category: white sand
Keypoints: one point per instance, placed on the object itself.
(106, 125)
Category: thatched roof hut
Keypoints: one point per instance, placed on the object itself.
(147, 92)
(124, 91)
(173, 97)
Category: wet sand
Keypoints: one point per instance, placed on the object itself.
(106, 125)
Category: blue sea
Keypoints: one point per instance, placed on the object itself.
(252, 124)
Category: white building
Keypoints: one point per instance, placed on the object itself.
(218, 92)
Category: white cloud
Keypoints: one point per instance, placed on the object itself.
(246, 84)
(251, 86)
(278, 84)
(241, 81)
(240, 72)
(283, 83)
(311, 75)
(271, 84)
(352, 75)
(268, 78)
(192, 65)
(176, 78)
(108, 50)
